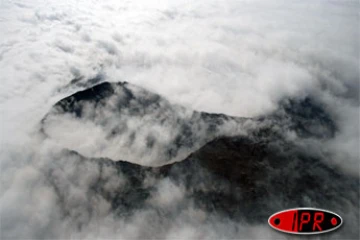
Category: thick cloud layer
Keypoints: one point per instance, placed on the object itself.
(234, 57)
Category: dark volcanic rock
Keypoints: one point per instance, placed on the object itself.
(122, 121)
(232, 177)
(224, 170)
(306, 117)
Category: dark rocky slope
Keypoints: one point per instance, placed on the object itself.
(128, 117)
(242, 175)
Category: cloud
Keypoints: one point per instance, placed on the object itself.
(125, 122)
(233, 57)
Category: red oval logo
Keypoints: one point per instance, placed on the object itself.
(305, 221)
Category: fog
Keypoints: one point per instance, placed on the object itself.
(239, 58)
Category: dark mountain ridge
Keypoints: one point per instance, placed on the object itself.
(236, 175)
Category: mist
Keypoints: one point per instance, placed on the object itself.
(239, 58)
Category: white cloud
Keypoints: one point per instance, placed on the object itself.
(233, 57)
